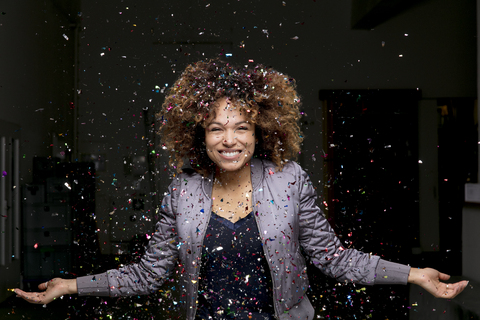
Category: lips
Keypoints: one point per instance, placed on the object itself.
(229, 154)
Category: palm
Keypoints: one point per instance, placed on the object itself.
(431, 280)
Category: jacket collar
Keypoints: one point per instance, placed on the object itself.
(256, 169)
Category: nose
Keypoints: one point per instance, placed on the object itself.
(229, 138)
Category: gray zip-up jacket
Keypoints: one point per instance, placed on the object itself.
(287, 218)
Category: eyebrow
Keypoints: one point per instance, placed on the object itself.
(221, 124)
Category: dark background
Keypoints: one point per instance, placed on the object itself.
(80, 82)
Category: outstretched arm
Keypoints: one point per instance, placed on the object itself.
(320, 243)
(51, 290)
(141, 278)
(431, 280)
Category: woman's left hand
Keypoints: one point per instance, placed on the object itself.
(431, 280)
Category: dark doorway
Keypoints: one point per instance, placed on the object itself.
(371, 190)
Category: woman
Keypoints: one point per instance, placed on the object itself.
(234, 222)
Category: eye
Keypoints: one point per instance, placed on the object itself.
(242, 128)
(215, 129)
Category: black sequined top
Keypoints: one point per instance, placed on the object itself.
(235, 279)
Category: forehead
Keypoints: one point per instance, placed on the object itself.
(229, 108)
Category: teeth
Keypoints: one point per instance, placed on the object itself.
(230, 154)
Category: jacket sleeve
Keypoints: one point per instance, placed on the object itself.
(154, 267)
(325, 251)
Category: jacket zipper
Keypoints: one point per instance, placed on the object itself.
(199, 264)
(266, 255)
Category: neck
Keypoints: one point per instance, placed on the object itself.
(228, 179)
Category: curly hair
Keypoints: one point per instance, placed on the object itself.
(268, 98)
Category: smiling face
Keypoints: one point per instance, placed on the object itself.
(230, 137)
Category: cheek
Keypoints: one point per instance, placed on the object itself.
(211, 139)
(251, 146)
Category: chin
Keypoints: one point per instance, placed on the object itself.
(231, 167)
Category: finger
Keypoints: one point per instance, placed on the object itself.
(32, 297)
(458, 285)
(461, 286)
(453, 289)
(456, 291)
(18, 291)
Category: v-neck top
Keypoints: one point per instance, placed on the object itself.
(235, 279)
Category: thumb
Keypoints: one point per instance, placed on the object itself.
(443, 276)
(43, 286)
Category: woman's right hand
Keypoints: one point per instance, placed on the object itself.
(50, 291)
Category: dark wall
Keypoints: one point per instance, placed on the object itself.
(37, 74)
(128, 51)
(131, 51)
